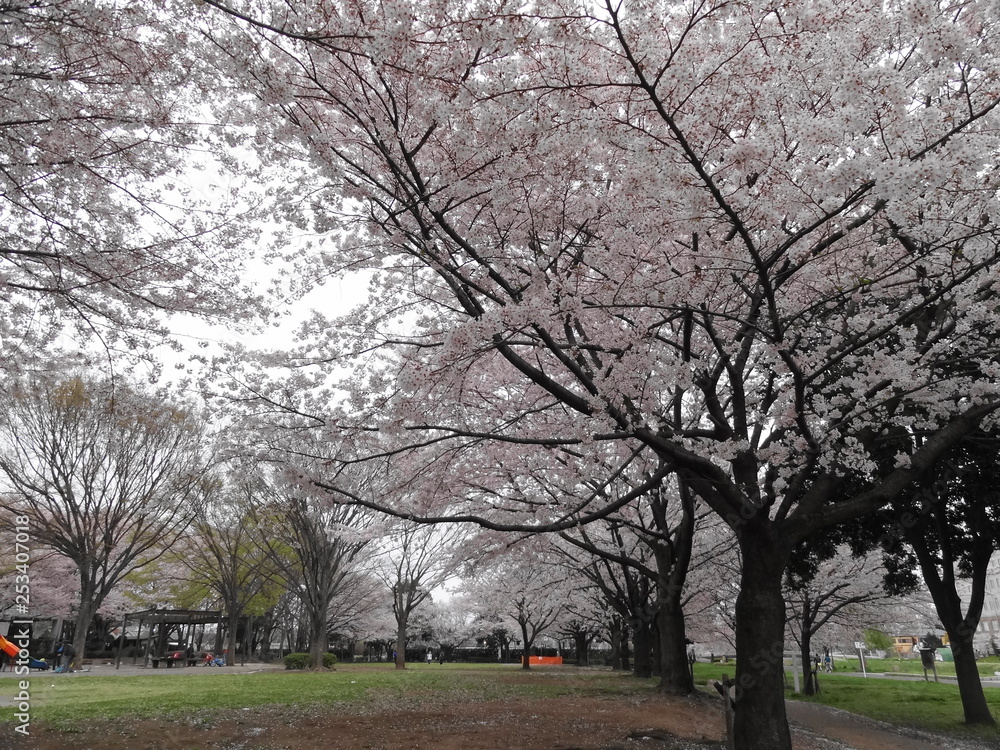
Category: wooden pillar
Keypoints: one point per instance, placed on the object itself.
(121, 642)
(138, 638)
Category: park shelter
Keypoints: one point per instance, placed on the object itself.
(161, 623)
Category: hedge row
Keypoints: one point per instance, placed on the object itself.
(301, 661)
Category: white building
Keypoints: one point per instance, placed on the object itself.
(989, 623)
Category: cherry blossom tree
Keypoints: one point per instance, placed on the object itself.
(622, 566)
(713, 585)
(742, 239)
(55, 600)
(452, 624)
(582, 619)
(526, 587)
(830, 591)
(663, 522)
(54, 582)
(108, 477)
(118, 201)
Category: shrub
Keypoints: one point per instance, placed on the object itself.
(876, 640)
(301, 661)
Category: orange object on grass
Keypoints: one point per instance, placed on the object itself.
(8, 647)
(533, 660)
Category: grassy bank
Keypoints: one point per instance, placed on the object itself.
(927, 705)
(986, 666)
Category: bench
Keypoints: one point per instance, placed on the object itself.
(184, 660)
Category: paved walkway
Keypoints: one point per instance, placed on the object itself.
(861, 733)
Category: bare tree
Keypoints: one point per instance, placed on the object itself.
(313, 544)
(417, 560)
(107, 476)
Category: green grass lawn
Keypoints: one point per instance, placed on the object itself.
(987, 667)
(59, 701)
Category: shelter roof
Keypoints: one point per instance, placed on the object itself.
(176, 616)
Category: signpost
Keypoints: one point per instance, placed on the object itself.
(861, 655)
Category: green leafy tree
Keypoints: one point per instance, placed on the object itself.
(224, 553)
(313, 545)
(948, 527)
(876, 640)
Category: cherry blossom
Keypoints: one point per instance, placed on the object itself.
(740, 240)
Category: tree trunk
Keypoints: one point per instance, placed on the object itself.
(642, 641)
(961, 628)
(655, 658)
(760, 722)
(83, 618)
(89, 602)
(301, 637)
(807, 677)
(615, 636)
(672, 561)
(318, 639)
(401, 641)
(581, 641)
(526, 653)
(233, 627)
(970, 686)
(623, 649)
(805, 645)
(675, 672)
